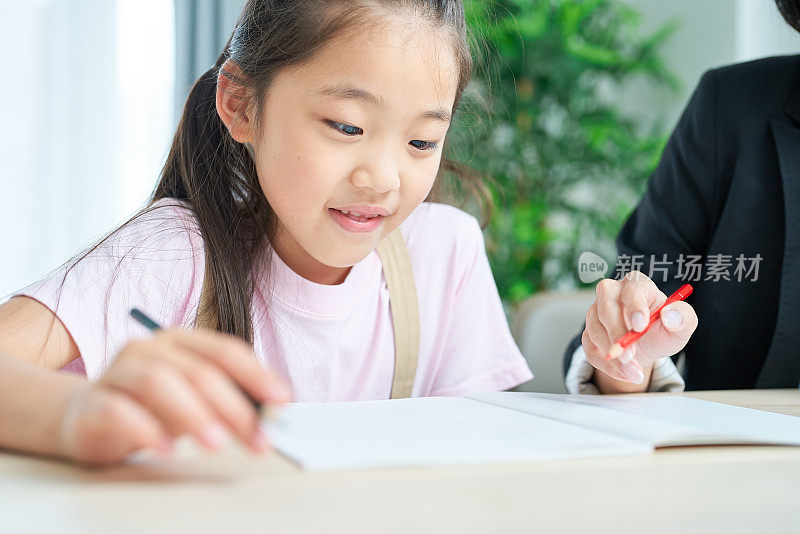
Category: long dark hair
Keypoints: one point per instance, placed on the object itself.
(216, 176)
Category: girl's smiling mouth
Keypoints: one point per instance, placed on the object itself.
(359, 219)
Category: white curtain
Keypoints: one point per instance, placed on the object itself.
(88, 98)
(202, 28)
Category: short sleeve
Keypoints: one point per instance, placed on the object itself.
(154, 263)
(479, 353)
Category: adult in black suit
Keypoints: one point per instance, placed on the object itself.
(727, 187)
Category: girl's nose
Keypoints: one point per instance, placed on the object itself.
(381, 178)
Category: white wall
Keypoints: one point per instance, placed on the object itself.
(712, 33)
(761, 31)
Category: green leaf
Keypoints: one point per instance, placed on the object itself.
(567, 165)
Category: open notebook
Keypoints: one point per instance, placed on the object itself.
(507, 427)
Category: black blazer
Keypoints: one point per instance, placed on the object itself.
(729, 183)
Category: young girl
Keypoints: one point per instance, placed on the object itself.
(317, 134)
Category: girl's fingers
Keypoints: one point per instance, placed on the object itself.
(236, 359)
(189, 381)
(225, 398)
(638, 296)
(161, 388)
(107, 426)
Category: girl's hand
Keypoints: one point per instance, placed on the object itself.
(175, 383)
(623, 305)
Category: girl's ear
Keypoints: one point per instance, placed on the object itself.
(233, 101)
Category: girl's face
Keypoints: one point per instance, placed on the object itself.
(358, 129)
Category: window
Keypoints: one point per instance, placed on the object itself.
(88, 113)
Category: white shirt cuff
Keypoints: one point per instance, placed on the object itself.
(665, 376)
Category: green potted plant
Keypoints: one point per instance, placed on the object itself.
(566, 165)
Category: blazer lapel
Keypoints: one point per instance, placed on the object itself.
(782, 364)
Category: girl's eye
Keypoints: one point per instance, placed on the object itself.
(352, 131)
(345, 128)
(424, 145)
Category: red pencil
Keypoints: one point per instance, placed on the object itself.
(628, 339)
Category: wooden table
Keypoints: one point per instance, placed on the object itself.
(687, 489)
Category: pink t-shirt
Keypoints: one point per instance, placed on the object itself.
(330, 343)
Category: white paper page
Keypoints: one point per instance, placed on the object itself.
(662, 421)
(430, 431)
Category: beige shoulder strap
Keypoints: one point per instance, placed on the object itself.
(402, 302)
(405, 311)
